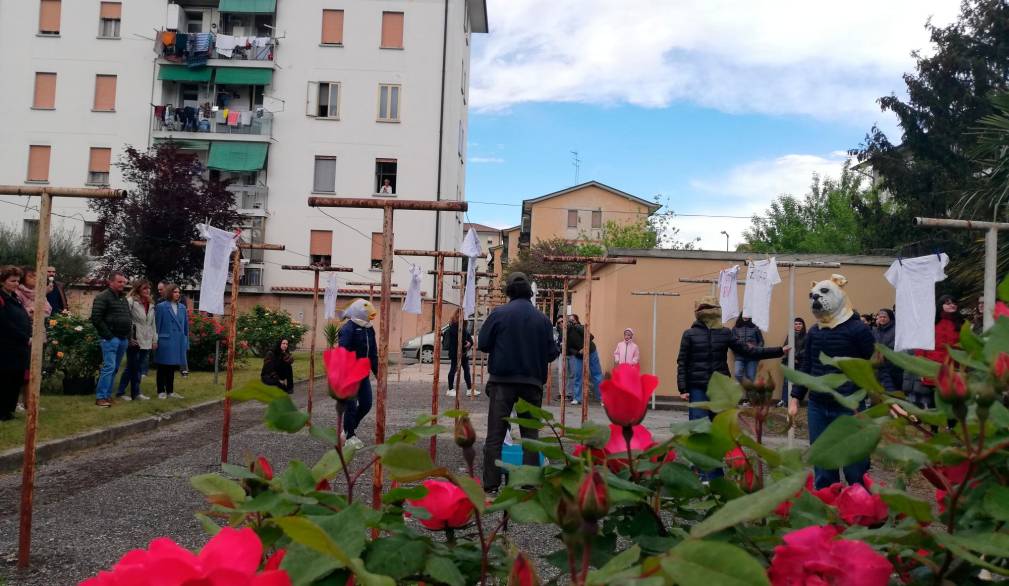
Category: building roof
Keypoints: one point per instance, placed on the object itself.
(479, 228)
(346, 292)
(478, 16)
(741, 257)
(651, 205)
(512, 229)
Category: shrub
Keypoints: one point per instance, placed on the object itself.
(204, 334)
(72, 346)
(261, 328)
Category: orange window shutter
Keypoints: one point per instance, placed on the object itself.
(100, 160)
(49, 16)
(38, 163)
(377, 243)
(105, 92)
(45, 90)
(332, 27)
(112, 10)
(321, 243)
(392, 30)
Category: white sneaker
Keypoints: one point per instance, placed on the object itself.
(175, 396)
(354, 443)
(162, 395)
(574, 402)
(20, 408)
(473, 393)
(450, 393)
(143, 397)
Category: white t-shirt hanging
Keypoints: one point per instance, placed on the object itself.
(329, 297)
(728, 293)
(216, 258)
(915, 279)
(761, 277)
(412, 303)
(471, 248)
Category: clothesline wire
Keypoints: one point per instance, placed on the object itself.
(608, 211)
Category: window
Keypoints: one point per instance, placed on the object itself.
(377, 244)
(108, 20)
(572, 218)
(251, 277)
(49, 17)
(325, 175)
(332, 27)
(194, 22)
(38, 163)
(98, 166)
(385, 176)
(388, 102)
(329, 100)
(392, 30)
(320, 247)
(45, 91)
(30, 228)
(105, 93)
(597, 219)
(94, 238)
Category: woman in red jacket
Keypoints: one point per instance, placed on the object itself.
(947, 335)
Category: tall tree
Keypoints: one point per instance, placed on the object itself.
(148, 233)
(65, 252)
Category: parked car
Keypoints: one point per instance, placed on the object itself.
(421, 348)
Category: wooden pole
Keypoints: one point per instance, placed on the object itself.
(45, 193)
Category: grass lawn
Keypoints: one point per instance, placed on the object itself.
(66, 415)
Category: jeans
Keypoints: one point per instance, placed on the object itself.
(595, 372)
(746, 368)
(113, 350)
(696, 396)
(465, 372)
(135, 358)
(503, 397)
(820, 417)
(357, 408)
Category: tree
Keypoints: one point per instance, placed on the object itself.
(65, 252)
(530, 260)
(148, 233)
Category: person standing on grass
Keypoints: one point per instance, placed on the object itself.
(110, 314)
(627, 351)
(519, 342)
(184, 302)
(358, 336)
(452, 337)
(172, 324)
(15, 337)
(277, 367)
(143, 339)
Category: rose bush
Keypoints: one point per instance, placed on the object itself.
(205, 333)
(261, 328)
(72, 346)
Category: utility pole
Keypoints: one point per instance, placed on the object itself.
(655, 325)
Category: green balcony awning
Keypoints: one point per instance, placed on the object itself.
(253, 6)
(237, 156)
(244, 75)
(183, 73)
(185, 144)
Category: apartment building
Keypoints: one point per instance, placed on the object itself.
(288, 99)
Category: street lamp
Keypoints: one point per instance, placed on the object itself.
(726, 240)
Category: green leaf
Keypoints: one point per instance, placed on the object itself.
(988, 543)
(695, 452)
(996, 502)
(808, 510)
(706, 563)
(998, 340)
(366, 578)
(768, 454)
(329, 465)
(454, 413)
(264, 502)
(617, 564)
(901, 502)
(680, 481)
(255, 390)
(324, 433)
(969, 341)
(826, 384)
(967, 359)
(396, 556)
(752, 506)
(523, 475)
(1002, 292)
(402, 493)
(302, 530)
(530, 511)
(847, 440)
(444, 571)
(526, 422)
(909, 458)
(526, 407)
(406, 463)
(908, 363)
(473, 491)
(591, 434)
(208, 524)
(305, 565)
(725, 429)
(213, 485)
(283, 415)
(297, 478)
(242, 472)
(723, 393)
(859, 370)
(550, 450)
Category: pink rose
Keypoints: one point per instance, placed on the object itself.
(231, 557)
(858, 506)
(812, 556)
(614, 454)
(447, 505)
(345, 371)
(626, 394)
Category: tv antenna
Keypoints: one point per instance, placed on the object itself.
(577, 164)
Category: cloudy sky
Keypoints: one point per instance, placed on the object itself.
(718, 105)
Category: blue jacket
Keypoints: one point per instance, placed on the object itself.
(520, 342)
(173, 334)
(851, 339)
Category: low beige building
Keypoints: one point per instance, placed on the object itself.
(615, 308)
(580, 213)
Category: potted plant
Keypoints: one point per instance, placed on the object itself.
(72, 349)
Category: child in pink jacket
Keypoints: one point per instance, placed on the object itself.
(627, 351)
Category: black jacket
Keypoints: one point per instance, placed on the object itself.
(57, 298)
(361, 341)
(576, 341)
(704, 351)
(852, 339)
(110, 313)
(748, 333)
(520, 342)
(15, 333)
(887, 337)
(452, 339)
(276, 368)
(799, 349)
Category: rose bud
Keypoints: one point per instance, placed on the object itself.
(952, 385)
(568, 517)
(262, 467)
(593, 496)
(1001, 369)
(465, 435)
(523, 573)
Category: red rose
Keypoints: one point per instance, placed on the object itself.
(828, 494)
(736, 459)
(593, 496)
(230, 557)
(345, 372)
(263, 468)
(858, 506)
(952, 385)
(614, 454)
(812, 556)
(785, 508)
(626, 394)
(943, 476)
(447, 505)
(1001, 310)
(1001, 368)
(523, 573)
(273, 562)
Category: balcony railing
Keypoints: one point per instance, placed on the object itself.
(197, 48)
(166, 119)
(250, 197)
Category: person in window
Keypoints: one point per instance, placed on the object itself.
(172, 323)
(386, 187)
(15, 337)
(277, 370)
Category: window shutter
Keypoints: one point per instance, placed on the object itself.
(312, 101)
(100, 160)
(49, 16)
(112, 10)
(392, 30)
(45, 90)
(105, 93)
(377, 244)
(321, 243)
(572, 218)
(38, 162)
(597, 219)
(332, 27)
(325, 175)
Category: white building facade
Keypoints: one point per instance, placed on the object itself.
(288, 98)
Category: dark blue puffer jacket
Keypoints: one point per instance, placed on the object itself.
(852, 339)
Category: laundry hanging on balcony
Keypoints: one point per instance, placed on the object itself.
(216, 258)
(329, 297)
(471, 248)
(412, 302)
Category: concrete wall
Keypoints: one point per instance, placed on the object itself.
(550, 217)
(614, 308)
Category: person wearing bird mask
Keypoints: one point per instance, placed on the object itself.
(357, 334)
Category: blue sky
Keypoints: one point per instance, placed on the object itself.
(717, 105)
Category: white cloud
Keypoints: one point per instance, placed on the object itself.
(824, 59)
(493, 160)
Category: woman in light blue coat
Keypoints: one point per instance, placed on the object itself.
(172, 323)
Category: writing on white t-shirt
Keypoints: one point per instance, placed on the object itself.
(761, 277)
(915, 279)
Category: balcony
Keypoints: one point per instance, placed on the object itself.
(198, 123)
(237, 31)
(251, 199)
